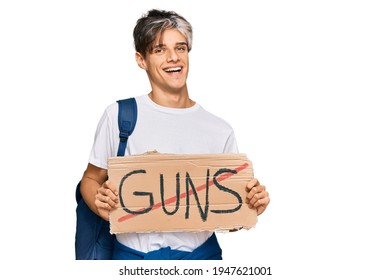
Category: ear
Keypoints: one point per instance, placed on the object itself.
(141, 61)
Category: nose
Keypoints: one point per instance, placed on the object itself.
(172, 56)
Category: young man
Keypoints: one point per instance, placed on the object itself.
(169, 122)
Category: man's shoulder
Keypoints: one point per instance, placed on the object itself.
(112, 109)
(215, 119)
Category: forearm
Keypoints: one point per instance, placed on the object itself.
(92, 180)
(88, 190)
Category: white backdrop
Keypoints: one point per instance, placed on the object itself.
(305, 85)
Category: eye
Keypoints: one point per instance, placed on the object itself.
(182, 48)
(158, 50)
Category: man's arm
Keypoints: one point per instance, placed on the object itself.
(98, 193)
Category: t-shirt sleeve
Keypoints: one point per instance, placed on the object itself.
(103, 142)
(231, 145)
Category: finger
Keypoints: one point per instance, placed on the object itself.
(257, 197)
(111, 187)
(251, 201)
(255, 192)
(107, 199)
(262, 204)
(261, 201)
(110, 196)
(253, 182)
(108, 190)
(100, 205)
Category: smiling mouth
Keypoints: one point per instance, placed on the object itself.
(173, 70)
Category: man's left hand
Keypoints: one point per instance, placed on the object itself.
(257, 197)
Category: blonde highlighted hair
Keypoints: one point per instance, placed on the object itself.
(151, 25)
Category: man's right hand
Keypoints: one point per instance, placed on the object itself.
(106, 199)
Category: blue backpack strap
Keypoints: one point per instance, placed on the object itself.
(127, 116)
(93, 240)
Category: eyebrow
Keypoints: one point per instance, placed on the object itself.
(176, 44)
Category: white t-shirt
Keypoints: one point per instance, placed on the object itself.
(167, 130)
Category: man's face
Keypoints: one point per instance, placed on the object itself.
(167, 64)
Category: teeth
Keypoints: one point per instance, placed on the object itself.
(175, 69)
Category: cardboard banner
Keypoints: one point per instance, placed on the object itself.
(165, 192)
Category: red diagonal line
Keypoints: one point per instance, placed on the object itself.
(183, 195)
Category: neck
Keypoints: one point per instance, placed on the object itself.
(171, 100)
